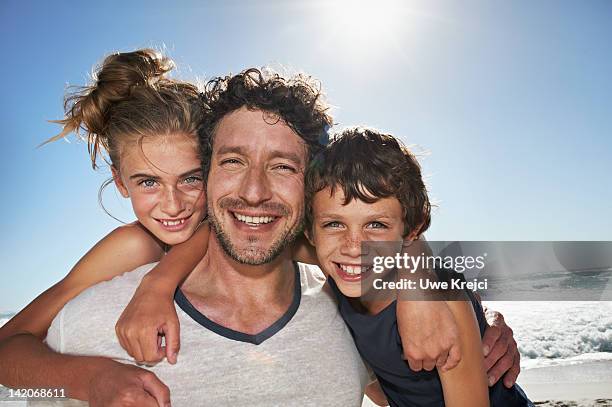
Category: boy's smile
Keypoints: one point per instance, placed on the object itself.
(338, 231)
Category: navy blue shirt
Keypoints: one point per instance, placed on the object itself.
(378, 341)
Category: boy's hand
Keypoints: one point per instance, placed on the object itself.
(429, 335)
(149, 316)
(502, 357)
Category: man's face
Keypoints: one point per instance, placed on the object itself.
(256, 185)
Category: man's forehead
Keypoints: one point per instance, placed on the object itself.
(256, 132)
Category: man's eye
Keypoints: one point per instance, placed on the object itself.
(148, 183)
(192, 180)
(230, 161)
(285, 167)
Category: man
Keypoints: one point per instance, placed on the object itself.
(256, 329)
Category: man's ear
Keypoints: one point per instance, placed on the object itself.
(119, 182)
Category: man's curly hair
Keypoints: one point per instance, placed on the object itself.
(297, 100)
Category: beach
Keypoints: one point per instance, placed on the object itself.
(583, 384)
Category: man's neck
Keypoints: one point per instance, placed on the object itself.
(239, 296)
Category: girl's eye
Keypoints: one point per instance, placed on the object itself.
(377, 225)
(332, 225)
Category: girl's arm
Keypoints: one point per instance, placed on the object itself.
(151, 313)
(122, 250)
(466, 384)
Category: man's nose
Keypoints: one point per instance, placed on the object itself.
(172, 202)
(255, 187)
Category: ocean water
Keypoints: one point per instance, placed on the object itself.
(5, 316)
(550, 333)
(559, 333)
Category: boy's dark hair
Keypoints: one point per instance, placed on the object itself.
(368, 166)
(297, 100)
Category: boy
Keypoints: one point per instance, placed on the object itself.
(365, 186)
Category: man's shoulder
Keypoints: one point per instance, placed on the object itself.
(86, 323)
(105, 298)
(122, 284)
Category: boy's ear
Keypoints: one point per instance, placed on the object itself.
(414, 235)
(119, 182)
(308, 234)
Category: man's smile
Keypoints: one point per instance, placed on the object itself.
(253, 221)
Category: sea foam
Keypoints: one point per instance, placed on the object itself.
(559, 333)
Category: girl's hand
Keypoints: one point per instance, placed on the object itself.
(149, 316)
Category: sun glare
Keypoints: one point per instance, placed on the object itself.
(362, 30)
(364, 20)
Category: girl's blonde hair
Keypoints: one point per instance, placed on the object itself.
(130, 98)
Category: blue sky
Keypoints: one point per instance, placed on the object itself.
(509, 100)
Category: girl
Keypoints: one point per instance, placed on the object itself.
(146, 124)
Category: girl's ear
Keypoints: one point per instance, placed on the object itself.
(119, 182)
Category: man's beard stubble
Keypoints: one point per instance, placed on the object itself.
(254, 257)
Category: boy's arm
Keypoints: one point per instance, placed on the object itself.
(427, 328)
(151, 312)
(466, 384)
(376, 394)
(122, 250)
(429, 335)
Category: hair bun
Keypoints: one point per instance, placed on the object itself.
(120, 72)
(89, 108)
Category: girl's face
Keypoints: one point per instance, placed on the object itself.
(162, 176)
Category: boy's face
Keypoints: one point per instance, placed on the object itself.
(338, 230)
